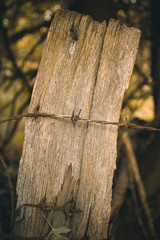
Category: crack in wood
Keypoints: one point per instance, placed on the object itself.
(74, 33)
(87, 224)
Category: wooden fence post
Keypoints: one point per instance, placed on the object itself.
(67, 166)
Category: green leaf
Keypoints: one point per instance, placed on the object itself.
(59, 231)
(62, 230)
(56, 233)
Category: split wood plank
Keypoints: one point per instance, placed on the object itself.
(85, 65)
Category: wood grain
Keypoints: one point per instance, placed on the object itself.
(85, 65)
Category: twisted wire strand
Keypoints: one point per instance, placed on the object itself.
(75, 118)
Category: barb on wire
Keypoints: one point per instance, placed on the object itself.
(37, 114)
(75, 118)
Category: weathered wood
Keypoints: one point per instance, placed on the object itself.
(85, 65)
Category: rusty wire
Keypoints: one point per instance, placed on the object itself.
(77, 118)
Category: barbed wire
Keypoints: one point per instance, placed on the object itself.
(76, 118)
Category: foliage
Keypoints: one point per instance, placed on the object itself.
(56, 233)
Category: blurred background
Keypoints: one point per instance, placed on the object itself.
(24, 26)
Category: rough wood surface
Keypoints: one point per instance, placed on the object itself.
(85, 65)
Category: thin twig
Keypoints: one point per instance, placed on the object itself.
(10, 186)
(133, 166)
(49, 224)
(9, 136)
